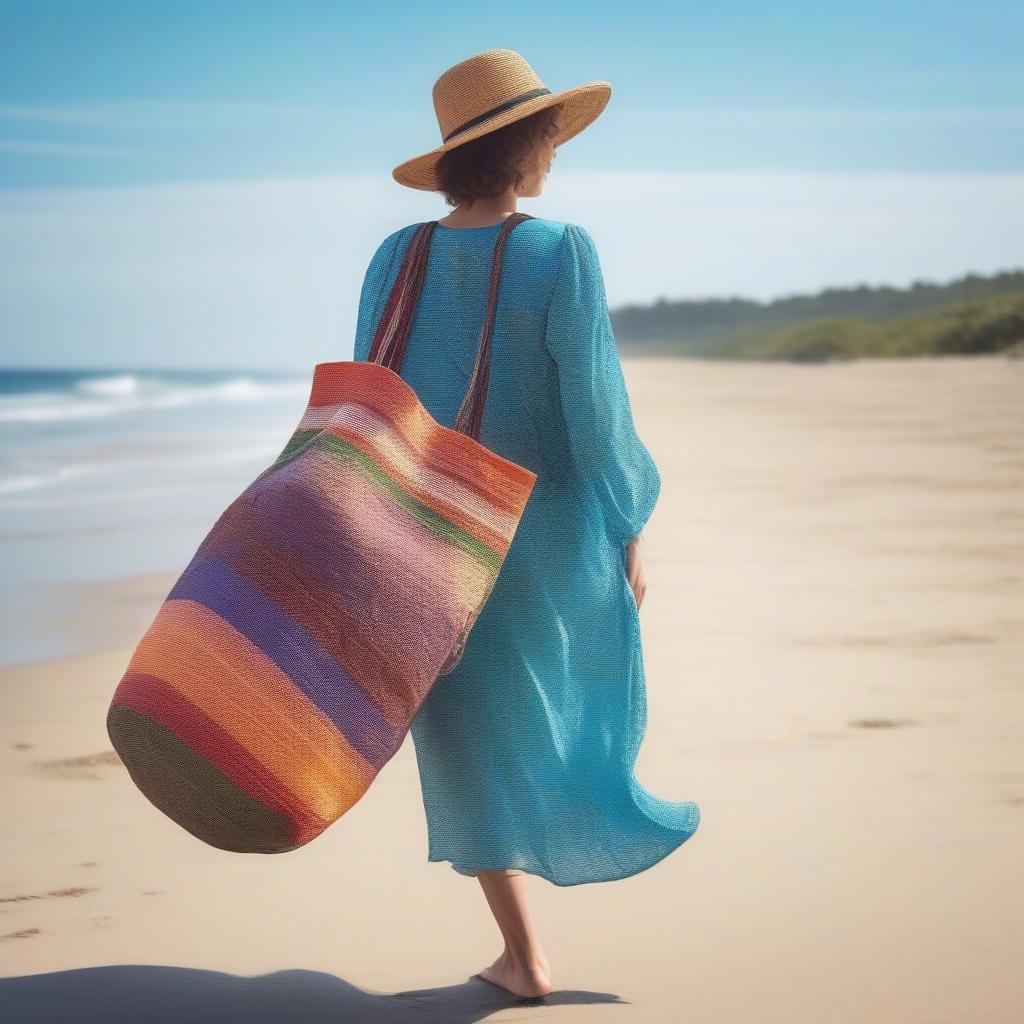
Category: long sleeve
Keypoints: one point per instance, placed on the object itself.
(608, 454)
(379, 277)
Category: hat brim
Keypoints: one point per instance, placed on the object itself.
(582, 103)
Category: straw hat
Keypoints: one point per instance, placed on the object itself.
(488, 91)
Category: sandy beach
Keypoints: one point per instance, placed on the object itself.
(834, 643)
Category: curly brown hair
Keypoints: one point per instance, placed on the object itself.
(497, 161)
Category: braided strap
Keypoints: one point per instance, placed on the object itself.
(392, 335)
(470, 417)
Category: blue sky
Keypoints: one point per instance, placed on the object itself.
(181, 183)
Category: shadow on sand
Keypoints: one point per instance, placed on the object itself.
(141, 994)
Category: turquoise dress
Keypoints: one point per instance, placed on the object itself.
(526, 750)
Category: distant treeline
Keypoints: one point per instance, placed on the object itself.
(970, 316)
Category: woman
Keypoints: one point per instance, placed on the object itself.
(526, 749)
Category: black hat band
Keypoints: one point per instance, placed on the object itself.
(514, 102)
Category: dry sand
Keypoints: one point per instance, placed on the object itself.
(834, 635)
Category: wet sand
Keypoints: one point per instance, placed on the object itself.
(834, 640)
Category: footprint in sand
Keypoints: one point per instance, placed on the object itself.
(880, 723)
(25, 933)
(77, 890)
(89, 766)
(938, 638)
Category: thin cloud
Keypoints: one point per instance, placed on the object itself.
(753, 115)
(61, 115)
(68, 149)
(126, 113)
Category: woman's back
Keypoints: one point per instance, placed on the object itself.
(526, 749)
(446, 328)
(557, 402)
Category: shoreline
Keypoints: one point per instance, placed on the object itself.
(91, 617)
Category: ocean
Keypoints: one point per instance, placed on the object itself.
(110, 474)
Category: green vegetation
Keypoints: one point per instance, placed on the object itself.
(972, 316)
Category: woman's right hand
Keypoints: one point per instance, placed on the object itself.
(635, 569)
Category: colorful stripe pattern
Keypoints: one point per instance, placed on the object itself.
(286, 664)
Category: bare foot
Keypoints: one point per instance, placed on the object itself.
(527, 980)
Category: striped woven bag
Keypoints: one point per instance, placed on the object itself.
(286, 664)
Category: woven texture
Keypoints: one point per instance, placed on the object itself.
(490, 90)
(526, 749)
(286, 664)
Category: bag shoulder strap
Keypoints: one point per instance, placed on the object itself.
(392, 335)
